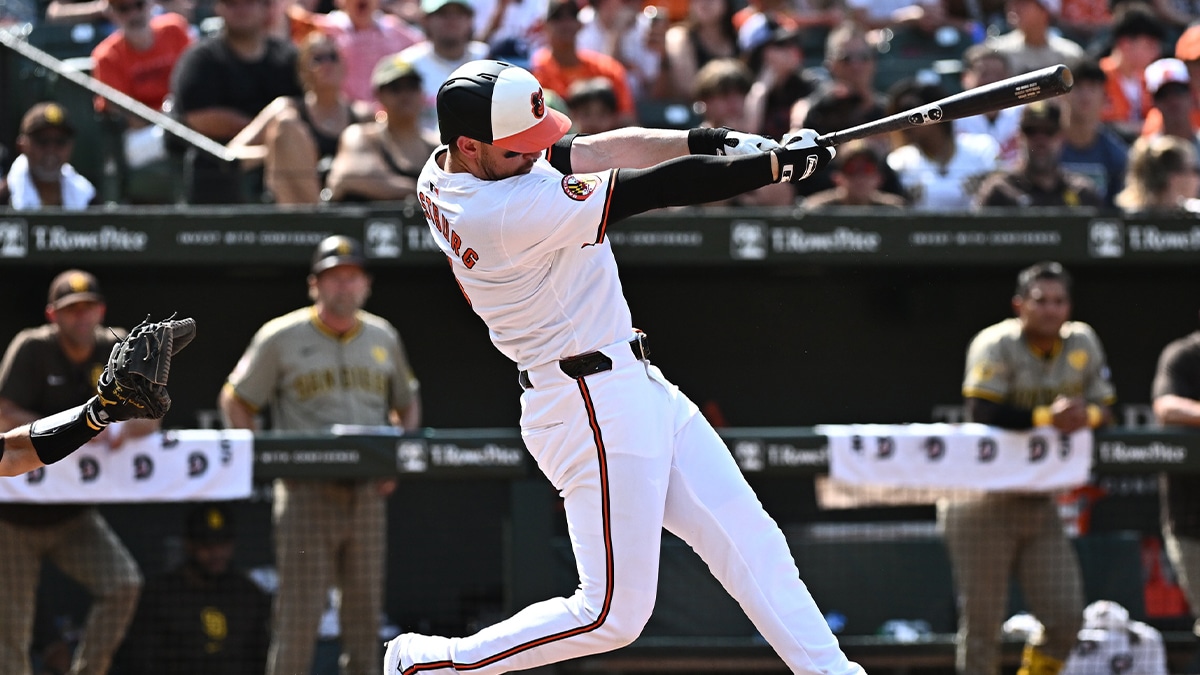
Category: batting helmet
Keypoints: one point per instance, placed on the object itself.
(500, 104)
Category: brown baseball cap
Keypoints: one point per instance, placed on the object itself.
(46, 115)
(337, 250)
(74, 286)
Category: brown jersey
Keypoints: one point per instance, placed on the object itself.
(36, 375)
(1178, 373)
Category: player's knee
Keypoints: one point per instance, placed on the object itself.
(626, 621)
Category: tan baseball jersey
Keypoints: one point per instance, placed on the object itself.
(1003, 368)
(312, 378)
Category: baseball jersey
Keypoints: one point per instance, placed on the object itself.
(936, 187)
(530, 254)
(313, 378)
(36, 375)
(1178, 373)
(1003, 368)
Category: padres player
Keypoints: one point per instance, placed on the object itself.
(330, 363)
(521, 211)
(1035, 370)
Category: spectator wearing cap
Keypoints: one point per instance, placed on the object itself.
(449, 25)
(47, 369)
(1089, 146)
(204, 616)
(364, 35)
(1031, 44)
(1137, 37)
(561, 63)
(329, 363)
(857, 173)
(1038, 179)
(41, 175)
(1169, 85)
(380, 160)
(512, 29)
(1187, 50)
(296, 137)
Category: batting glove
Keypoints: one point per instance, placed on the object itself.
(737, 144)
(801, 157)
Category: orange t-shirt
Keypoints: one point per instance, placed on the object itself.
(1118, 108)
(591, 64)
(144, 76)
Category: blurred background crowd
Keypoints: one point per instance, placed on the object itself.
(318, 101)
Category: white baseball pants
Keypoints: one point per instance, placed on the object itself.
(630, 455)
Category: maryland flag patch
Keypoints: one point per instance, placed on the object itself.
(579, 188)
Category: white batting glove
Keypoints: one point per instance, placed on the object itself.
(801, 157)
(738, 143)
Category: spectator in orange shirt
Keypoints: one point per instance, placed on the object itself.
(1137, 36)
(560, 64)
(137, 59)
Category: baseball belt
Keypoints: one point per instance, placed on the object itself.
(590, 363)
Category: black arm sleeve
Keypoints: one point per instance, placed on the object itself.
(693, 179)
(1000, 415)
(559, 154)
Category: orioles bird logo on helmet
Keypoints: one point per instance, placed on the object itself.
(537, 104)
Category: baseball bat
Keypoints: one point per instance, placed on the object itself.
(1038, 85)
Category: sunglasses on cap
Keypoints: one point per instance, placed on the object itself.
(325, 57)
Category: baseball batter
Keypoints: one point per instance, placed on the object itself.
(521, 211)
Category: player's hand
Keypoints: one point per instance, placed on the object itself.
(801, 157)
(738, 143)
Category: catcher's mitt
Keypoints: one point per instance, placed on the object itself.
(134, 382)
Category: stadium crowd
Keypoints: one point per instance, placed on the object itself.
(332, 100)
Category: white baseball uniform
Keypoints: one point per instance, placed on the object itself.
(628, 452)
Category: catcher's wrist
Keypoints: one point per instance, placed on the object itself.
(97, 416)
(59, 435)
(706, 141)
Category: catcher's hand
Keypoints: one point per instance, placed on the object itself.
(134, 382)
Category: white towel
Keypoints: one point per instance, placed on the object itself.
(77, 191)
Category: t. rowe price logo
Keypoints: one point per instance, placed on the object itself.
(107, 238)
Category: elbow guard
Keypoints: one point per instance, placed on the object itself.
(59, 435)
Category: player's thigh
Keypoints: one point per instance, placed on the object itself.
(92, 554)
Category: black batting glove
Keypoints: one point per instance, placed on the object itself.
(801, 157)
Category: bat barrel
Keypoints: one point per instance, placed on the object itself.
(1038, 85)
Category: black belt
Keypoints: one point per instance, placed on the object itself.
(590, 363)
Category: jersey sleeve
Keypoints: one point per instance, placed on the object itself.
(550, 211)
(256, 374)
(986, 374)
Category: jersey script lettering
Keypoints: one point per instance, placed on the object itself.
(436, 218)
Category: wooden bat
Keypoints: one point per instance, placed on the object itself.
(1038, 85)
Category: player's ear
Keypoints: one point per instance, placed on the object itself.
(468, 147)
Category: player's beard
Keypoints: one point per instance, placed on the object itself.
(496, 167)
